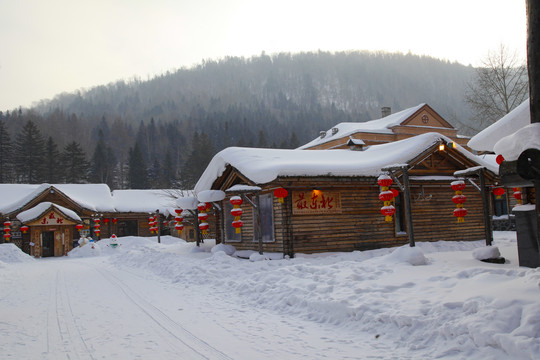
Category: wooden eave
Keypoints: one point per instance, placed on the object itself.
(430, 110)
(231, 176)
(55, 209)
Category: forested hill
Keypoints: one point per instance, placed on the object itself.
(282, 100)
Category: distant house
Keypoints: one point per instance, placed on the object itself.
(44, 217)
(332, 201)
(391, 127)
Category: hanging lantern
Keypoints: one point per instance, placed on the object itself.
(179, 219)
(395, 192)
(281, 194)
(201, 207)
(498, 192)
(386, 195)
(7, 230)
(516, 194)
(114, 220)
(7, 236)
(459, 199)
(150, 219)
(179, 228)
(97, 232)
(79, 227)
(204, 227)
(203, 216)
(499, 159)
(97, 221)
(97, 226)
(7, 223)
(236, 201)
(24, 229)
(178, 211)
(106, 220)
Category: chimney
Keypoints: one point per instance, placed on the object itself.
(385, 111)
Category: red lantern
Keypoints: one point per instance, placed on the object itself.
(179, 219)
(203, 216)
(499, 159)
(386, 195)
(150, 219)
(237, 212)
(7, 230)
(395, 192)
(79, 227)
(237, 224)
(202, 207)
(178, 211)
(7, 223)
(114, 220)
(388, 211)
(517, 194)
(236, 200)
(97, 226)
(24, 229)
(281, 193)
(458, 185)
(204, 227)
(106, 220)
(97, 221)
(460, 213)
(459, 199)
(385, 181)
(7, 236)
(179, 228)
(97, 232)
(498, 192)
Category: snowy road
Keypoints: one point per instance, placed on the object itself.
(94, 311)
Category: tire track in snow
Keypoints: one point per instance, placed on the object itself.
(179, 337)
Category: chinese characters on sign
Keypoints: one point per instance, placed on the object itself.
(316, 202)
(51, 219)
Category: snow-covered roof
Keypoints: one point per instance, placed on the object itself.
(144, 201)
(264, 165)
(383, 125)
(39, 209)
(507, 125)
(511, 146)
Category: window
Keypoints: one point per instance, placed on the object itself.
(499, 206)
(266, 204)
(128, 228)
(230, 232)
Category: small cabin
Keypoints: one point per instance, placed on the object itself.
(329, 200)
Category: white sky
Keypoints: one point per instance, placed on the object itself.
(52, 46)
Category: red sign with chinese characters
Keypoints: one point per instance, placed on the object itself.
(316, 202)
(51, 219)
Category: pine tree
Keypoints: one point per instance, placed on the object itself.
(74, 164)
(168, 171)
(103, 163)
(138, 176)
(53, 169)
(201, 154)
(6, 153)
(29, 154)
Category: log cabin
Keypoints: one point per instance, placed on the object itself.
(330, 200)
(390, 127)
(42, 219)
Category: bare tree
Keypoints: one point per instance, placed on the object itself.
(501, 84)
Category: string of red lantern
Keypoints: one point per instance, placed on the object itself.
(203, 216)
(7, 230)
(236, 211)
(517, 195)
(179, 226)
(97, 226)
(386, 195)
(459, 199)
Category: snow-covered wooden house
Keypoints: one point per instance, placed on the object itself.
(44, 220)
(331, 198)
(410, 122)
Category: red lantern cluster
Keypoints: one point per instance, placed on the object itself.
(7, 230)
(179, 219)
(236, 211)
(281, 194)
(498, 192)
(97, 226)
(387, 195)
(203, 216)
(459, 199)
(152, 224)
(517, 194)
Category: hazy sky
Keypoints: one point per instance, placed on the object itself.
(53, 46)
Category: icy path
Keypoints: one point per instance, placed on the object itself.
(84, 309)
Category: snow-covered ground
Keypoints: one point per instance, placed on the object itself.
(144, 300)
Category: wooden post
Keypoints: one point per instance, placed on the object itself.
(533, 53)
(408, 207)
(485, 204)
(258, 224)
(197, 228)
(158, 220)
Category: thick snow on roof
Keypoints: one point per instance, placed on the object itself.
(144, 201)
(383, 125)
(39, 209)
(511, 146)
(14, 196)
(507, 125)
(264, 165)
